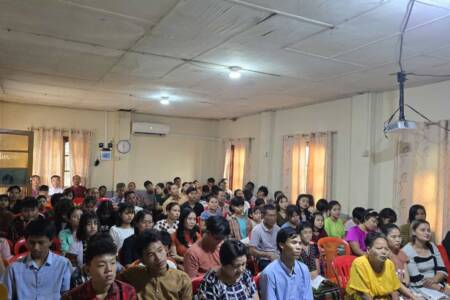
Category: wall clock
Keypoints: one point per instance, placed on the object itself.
(123, 146)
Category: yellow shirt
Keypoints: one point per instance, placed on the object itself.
(363, 279)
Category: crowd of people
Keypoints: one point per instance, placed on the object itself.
(177, 240)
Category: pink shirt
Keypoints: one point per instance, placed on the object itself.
(197, 261)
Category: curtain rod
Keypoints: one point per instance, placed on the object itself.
(308, 134)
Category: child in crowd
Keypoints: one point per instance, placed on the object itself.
(29, 212)
(293, 216)
(333, 224)
(213, 208)
(66, 236)
(89, 225)
(89, 204)
(240, 224)
(170, 224)
(303, 203)
(105, 213)
(357, 218)
(255, 214)
(123, 229)
(259, 202)
(322, 207)
(281, 202)
(318, 227)
(6, 216)
(309, 251)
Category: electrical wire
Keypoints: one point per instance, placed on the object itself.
(402, 31)
(430, 75)
(426, 118)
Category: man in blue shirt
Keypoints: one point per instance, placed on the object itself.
(286, 278)
(42, 275)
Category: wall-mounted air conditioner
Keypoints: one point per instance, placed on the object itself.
(149, 128)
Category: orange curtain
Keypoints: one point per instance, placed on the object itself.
(237, 166)
(294, 165)
(319, 170)
(48, 153)
(80, 145)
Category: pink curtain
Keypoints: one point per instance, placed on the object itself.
(48, 153)
(79, 144)
(319, 165)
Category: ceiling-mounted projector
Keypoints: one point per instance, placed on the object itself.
(400, 125)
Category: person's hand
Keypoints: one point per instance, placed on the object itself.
(428, 282)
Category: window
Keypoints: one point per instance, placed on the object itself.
(66, 163)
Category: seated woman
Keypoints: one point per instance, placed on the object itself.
(170, 224)
(373, 275)
(185, 236)
(416, 212)
(281, 202)
(293, 216)
(142, 220)
(231, 280)
(318, 221)
(106, 216)
(357, 234)
(425, 266)
(88, 227)
(66, 236)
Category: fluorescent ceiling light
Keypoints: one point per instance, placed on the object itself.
(164, 100)
(235, 72)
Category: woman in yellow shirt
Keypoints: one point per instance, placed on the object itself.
(373, 276)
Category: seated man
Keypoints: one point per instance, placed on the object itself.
(101, 266)
(263, 244)
(155, 280)
(286, 277)
(42, 274)
(29, 212)
(192, 201)
(204, 254)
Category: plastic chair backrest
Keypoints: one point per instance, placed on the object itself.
(341, 265)
(56, 245)
(3, 292)
(329, 247)
(446, 260)
(196, 284)
(256, 280)
(20, 246)
(17, 257)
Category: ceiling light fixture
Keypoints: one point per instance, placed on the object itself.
(164, 100)
(235, 72)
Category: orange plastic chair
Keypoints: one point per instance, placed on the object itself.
(445, 259)
(329, 250)
(341, 265)
(196, 284)
(20, 246)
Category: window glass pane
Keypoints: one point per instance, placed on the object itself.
(13, 142)
(66, 148)
(13, 159)
(67, 179)
(66, 163)
(13, 176)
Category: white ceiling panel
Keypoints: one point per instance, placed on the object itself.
(367, 28)
(54, 57)
(61, 20)
(328, 11)
(194, 26)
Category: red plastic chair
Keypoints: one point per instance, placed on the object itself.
(20, 246)
(329, 250)
(196, 284)
(445, 259)
(17, 257)
(256, 279)
(78, 201)
(341, 265)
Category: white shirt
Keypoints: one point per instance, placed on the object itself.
(119, 234)
(53, 190)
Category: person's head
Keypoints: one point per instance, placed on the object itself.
(88, 226)
(420, 231)
(306, 232)
(39, 235)
(185, 186)
(282, 202)
(120, 189)
(62, 209)
(29, 208)
(238, 193)
(142, 220)
(393, 236)
(211, 181)
(43, 190)
(377, 247)
(233, 258)
(131, 186)
(417, 212)
(269, 213)
(173, 211)
(166, 240)
(151, 251)
(276, 194)
(89, 204)
(55, 198)
(217, 229)
(191, 192)
(247, 195)
(68, 193)
(14, 193)
(93, 192)
(131, 198)
(4, 201)
(42, 201)
(260, 202)
(105, 213)
(174, 190)
(223, 184)
(100, 259)
(148, 185)
(76, 180)
(304, 201)
(102, 191)
(213, 203)
(74, 216)
(289, 242)
(371, 220)
(250, 186)
(237, 206)
(159, 188)
(255, 214)
(35, 181)
(335, 209)
(187, 225)
(358, 214)
(177, 181)
(221, 196)
(125, 214)
(262, 192)
(387, 216)
(317, 220)
(322, 206)
(293, 214)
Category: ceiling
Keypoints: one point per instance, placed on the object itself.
(115, 54)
